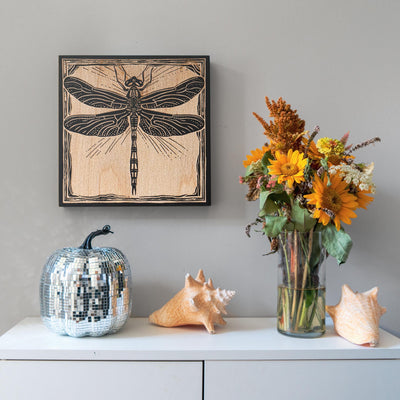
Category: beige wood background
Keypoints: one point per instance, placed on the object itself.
(101, 166)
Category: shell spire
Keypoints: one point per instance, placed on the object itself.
(190, 282)
(198, 303)
(356, 317)
(200, 276)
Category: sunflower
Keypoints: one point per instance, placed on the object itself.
(288, 167)
(362, 199)
(332, 201)
(255, 155)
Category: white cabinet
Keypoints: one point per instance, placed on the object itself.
(66, 380)
(281, 380)
(245, 360)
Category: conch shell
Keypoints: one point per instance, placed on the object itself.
(356, 317)
(198, 303)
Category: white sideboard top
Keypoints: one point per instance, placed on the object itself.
(240, 339)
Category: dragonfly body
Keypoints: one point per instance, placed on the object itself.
(133, 95)
(133, 110)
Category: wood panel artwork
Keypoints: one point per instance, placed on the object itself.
(134, 130)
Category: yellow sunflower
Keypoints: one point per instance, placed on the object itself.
(255, 155)
(289, 168)
(332, 202)
(362, 199)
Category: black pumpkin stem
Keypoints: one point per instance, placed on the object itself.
(87, 244)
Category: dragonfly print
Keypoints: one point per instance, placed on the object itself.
(134, 111)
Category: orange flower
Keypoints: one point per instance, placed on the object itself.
(255, 155)
(313, 152)
(287, 129)
(362, 199)
(288, 167)
(333, 201)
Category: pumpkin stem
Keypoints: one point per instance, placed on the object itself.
(87, 244)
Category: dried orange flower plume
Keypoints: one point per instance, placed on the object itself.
(287, 129)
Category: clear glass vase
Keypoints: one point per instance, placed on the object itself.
(301, 284)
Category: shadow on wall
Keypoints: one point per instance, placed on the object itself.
(143, 300)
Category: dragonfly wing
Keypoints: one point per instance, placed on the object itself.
(174, 96)
(92, 96)
(107, 124)
(160, 124)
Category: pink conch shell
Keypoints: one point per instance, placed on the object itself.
(356, 317)
(198, 303)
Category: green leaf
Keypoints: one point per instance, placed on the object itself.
(324, 163)
(316, 255)
(310, 297)
(280, 197)
(269, 208)
(307, 170)
(249, 171)
(325, 166)
(270, 200)
(264, 197)
(289, 227)
(301, 218)
(274, 225)
(272, 195)
(337, 243)
(265, 161)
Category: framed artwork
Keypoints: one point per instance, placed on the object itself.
(134, 130)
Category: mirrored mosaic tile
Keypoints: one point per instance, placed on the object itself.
(85, 292)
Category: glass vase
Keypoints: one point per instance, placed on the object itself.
(301, 284)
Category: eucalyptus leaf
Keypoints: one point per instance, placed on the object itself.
(337, 243)
(274, 225)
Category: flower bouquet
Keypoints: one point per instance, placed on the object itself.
(306, 189)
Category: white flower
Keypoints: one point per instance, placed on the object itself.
(356, 176)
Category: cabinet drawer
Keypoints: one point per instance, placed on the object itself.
(49, 380)
(327, 379)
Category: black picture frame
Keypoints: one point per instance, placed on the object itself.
(105, 99)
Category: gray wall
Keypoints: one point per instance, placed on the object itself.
(337, 62)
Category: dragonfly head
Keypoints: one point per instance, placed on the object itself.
(133, 82)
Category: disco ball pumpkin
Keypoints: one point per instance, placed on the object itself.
(86, 291)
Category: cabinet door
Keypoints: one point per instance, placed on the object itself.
(318, 379)
(66, 380)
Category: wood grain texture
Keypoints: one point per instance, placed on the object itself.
(134, 130)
